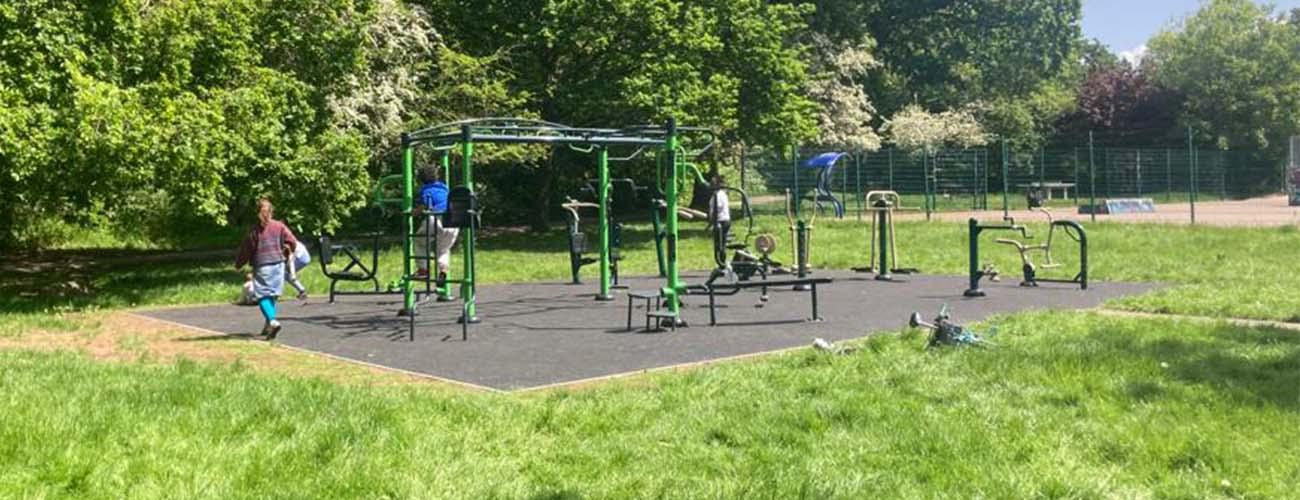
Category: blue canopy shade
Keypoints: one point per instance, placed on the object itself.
(823, 160)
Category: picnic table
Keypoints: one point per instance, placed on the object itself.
(1047, 188)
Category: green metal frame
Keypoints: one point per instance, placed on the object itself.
(466, 133)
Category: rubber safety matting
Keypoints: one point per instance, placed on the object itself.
(539, 334)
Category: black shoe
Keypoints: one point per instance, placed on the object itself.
(272, 330)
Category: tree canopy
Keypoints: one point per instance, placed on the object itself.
(170, 118)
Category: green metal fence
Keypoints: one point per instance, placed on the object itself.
(989, 179)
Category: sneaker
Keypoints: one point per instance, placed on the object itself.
(272, 329)
(422, 274)
(302, 296)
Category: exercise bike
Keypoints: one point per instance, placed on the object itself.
(745, 263)
(1030, 269)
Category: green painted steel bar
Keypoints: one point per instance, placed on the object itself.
(445, 290)
(857, 183)
(1092, 180)
(1076, 175)
(602, 167)
(1042, 166)
(1139, 172)
(1169, 174)
(973, 243)
(1006, 185)
(408, 211)
(891, 169)
(673, 285)
(1191, 174)
(467, 285)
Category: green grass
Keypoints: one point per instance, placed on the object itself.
(1067, 405)
(1232, 272)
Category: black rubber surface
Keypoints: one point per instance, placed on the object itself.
(539, 334)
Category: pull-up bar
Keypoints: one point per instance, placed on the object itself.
(464, 134)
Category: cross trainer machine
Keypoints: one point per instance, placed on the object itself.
(800, 238)
(881, 229)
(1029, 269)
(625, 197)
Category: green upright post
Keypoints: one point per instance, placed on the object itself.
(891, 169)
(1139, 172)
(1006, 185)
(602, 195)
(857, 183)
(1191, 174)
(408, 212)
(1042, 168)
(444, 292)
(1076, 175)
(925, 180)
(1092, 179)
(673, 285)
(467, 180)
(1169, 175)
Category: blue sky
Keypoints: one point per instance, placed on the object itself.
(1125, 25)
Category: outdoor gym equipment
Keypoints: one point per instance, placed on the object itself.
(881, 229)
(825, 165)
(1029, 269)
(744, 263)
(945, 332)
(463, 135)
(800, 237)
(355, 270)
(623, 200)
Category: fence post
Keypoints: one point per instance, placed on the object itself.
(1223, 178)
(925, 179)
(1139, 171)
(742, 169)
(857, 183)
(1075, 164)
(1191, 174)
(1042, 167)
(984, 182)
(1106, 169)
(1092, 179)
(1006, 200)
(891, 169)
(1169, 175)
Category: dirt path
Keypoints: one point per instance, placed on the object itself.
(1270, 211)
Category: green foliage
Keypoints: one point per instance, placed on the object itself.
(1237, 69)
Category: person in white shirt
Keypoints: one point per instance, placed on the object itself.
(720, 219)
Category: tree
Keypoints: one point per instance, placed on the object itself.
(731, 65)
(918, 131)
(1126, 103)
(1236, 67)
(846, 112)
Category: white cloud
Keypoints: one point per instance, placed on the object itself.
(1134, 56)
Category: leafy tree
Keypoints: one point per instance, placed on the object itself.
(846, 113)
(730, 65)
(1236, 67)
(918, 131)
(1123, 101)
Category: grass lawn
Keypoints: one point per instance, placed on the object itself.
(1068, 404)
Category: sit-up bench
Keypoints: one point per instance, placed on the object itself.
(713, 290)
